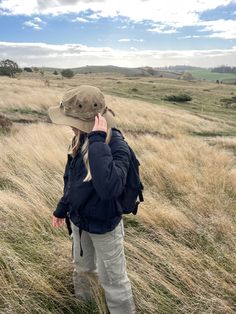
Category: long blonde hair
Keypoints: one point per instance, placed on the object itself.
(75, 145)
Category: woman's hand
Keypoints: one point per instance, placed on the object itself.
(57, 222)
(100, 123)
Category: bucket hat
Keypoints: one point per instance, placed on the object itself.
(79, 106)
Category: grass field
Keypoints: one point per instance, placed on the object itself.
(180, 248)
(212, 76)
(206, 96)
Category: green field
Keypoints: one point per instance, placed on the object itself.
(212, 76)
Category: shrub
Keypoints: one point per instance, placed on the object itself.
(5, 124)
(178, 98)
(41, 72)
(229, 102)
(187, 76)
(67, 73)
(27, 69)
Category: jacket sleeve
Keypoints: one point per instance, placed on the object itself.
(108, 168)
(62, 206)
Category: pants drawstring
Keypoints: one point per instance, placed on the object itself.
(81, 250)
(72, 248)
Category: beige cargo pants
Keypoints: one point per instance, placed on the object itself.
(103, 256)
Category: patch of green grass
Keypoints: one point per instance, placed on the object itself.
(230, 297)
(224, 262)
(167, 302)
(130, 221)
(178, 98)
(83, 308)
(229, 102)
(5, 184)
(230, 81)
(3, 131)
(213, 134)
(28, 111)
(134, 89)
(205, 96)
(211, 76)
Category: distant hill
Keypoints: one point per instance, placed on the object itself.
(173, 73)
(141, 71)
(180, 68)
(111, 69)
(89, 69)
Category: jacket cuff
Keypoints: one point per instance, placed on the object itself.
(60, 211)
(97, 136)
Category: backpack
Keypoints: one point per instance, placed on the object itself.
(132, 195)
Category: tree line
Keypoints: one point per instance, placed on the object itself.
(10, 68)
(224, 69)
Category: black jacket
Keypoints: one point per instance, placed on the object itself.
(90, 205)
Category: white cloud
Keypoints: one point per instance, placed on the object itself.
(94, 16)
(129, 39)
(122, 27)
(38, 20)
(74, 55)
(162, 29)
(189, 36)
(124, 39)
(169, 12)
(225, 29)
(80, 19)
(165, 17)
(36, 23)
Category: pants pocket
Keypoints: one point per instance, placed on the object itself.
(115, 268)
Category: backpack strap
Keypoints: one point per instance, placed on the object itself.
(140, 193)
(141, 199)
(68, 225)
(117, 133)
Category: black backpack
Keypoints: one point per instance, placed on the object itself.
(132, 195)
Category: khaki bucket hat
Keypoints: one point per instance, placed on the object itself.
(79, 106)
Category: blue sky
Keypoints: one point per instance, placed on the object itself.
(71, 33)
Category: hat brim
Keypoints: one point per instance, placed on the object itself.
(57, 116)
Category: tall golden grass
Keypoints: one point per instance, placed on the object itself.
(25, 93)
(180, 248)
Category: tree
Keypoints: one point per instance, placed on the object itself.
(224, 69)
(8, 68)
(187, 76)
(27, 69)
(55, 72)
(150, 70)
(67, 73)
(41, 72)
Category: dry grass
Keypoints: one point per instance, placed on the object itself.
(180, 248)
(26, 93)
(228, 143)
(24, 98)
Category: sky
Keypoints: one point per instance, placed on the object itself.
(131, 33)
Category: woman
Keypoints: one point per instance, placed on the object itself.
(95, 174)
